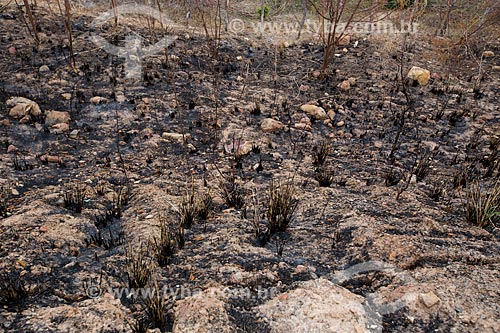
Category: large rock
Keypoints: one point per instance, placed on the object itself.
(204, 312)
(420, 75)
(316, 306)
(104, 314)
(56, 117)
(21, 107)
(317, 112)
(271, 125)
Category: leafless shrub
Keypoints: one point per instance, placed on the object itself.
(336, 17)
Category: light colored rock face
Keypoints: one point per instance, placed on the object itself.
(420, 75)
(314, 111)
(56, 117)
(204, 312)
(105, 314)
(316, 306)
(270, 125)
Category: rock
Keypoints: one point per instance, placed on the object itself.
(191, 148)
(331, 114)
(74, 134)
(488, 54)
(24, 120)
(496, 68)
(14, 191)
(316, 74)
(344, 40)
(56, 117)
(238, 147)
(175, 136)
(147, 133)
(422, 117)
(429, 299)
(277, 156)
(314, 111)
(340, 123)
(302, 126)
(18, 111)
(51, 159)
(66, 96)
(60, 128)
(11, 148)
(436, 76)
(420, 75)
(22, 106)
(300, 269)
(344, 85)
(44, 69)
(257, 167)
(203, 312)
(100, 314)
(12, 50)
(5, 122)
(305, 120)
(270, 125)
(316, 306)
(358, 132)
(98, 100)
